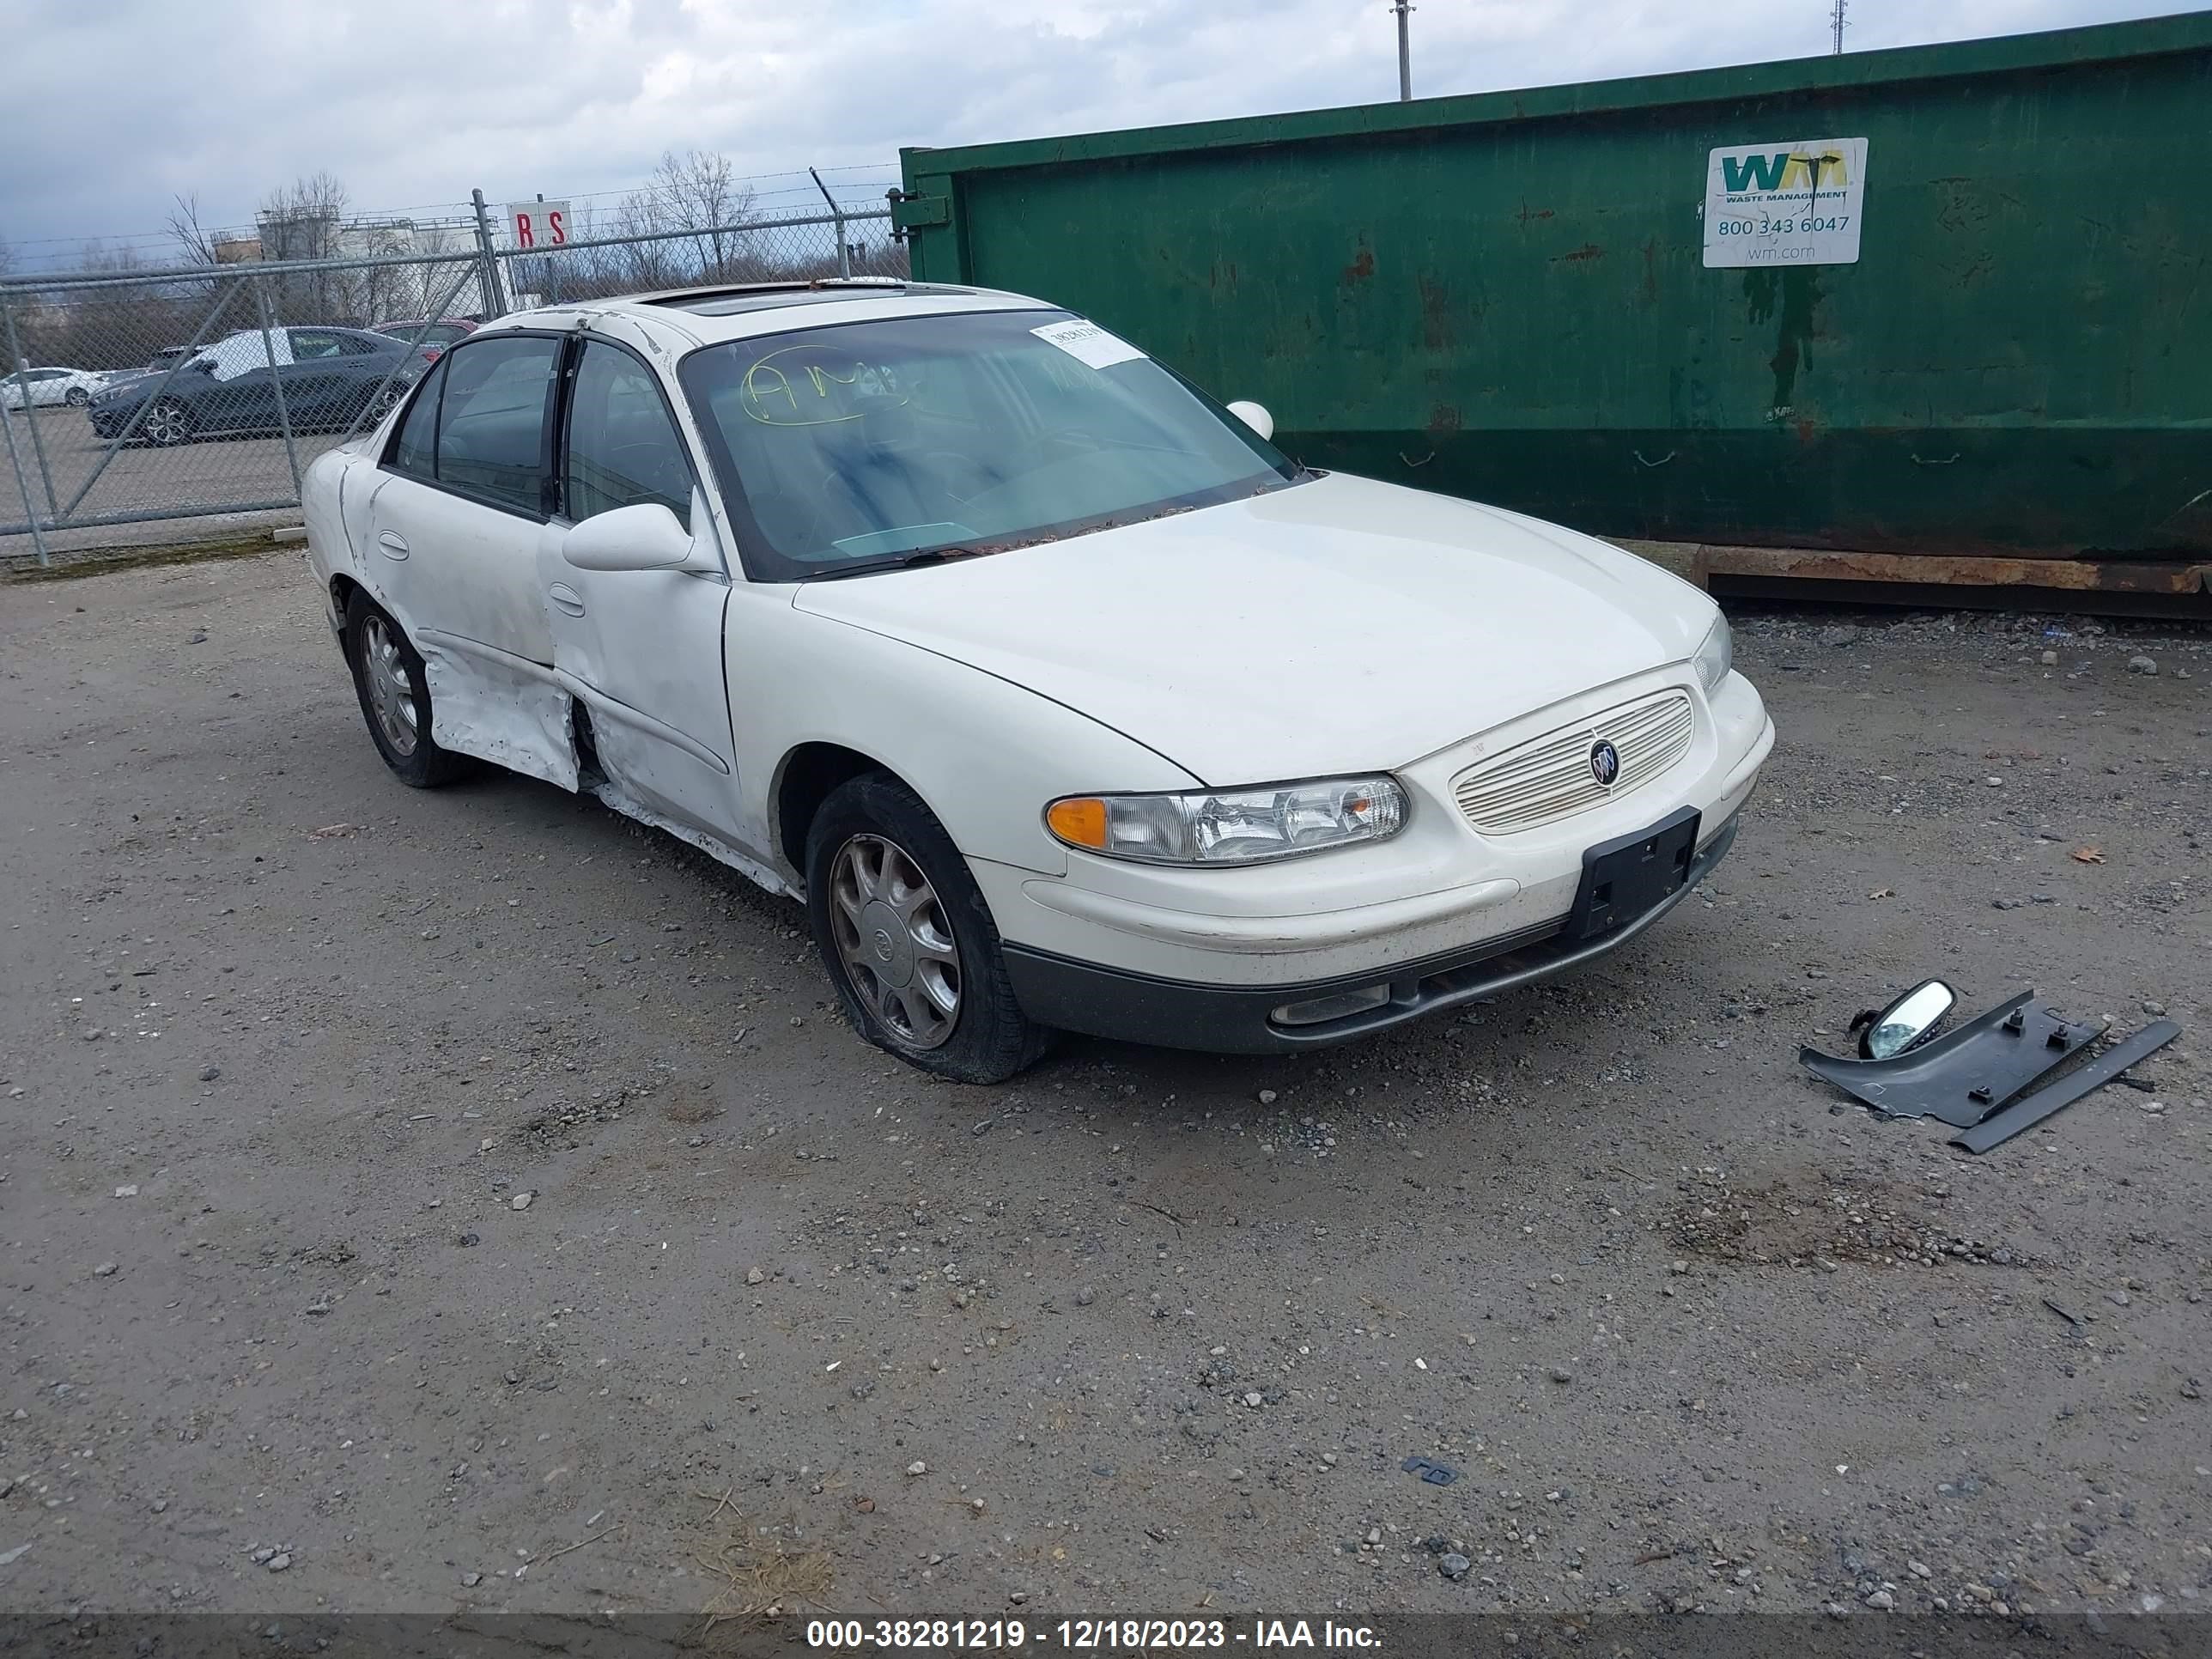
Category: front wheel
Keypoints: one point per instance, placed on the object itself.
(169, 422)
(77, 397)
(908, 939)
(395, 697)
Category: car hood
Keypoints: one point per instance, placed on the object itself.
(1340, 625)
(124, 386)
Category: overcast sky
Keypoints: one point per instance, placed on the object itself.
(116, 105)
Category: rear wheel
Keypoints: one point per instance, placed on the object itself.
(377, 405)
(908, 939)
(395, 697)
(167, 423)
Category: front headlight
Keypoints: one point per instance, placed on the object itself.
(1231, 826)
(1716, 656)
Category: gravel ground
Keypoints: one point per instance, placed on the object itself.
(469, 1200)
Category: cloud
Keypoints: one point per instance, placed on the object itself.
(413, 102)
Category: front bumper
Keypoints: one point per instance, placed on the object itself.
(1238, 1019)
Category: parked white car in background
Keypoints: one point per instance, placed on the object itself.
(1063, 699)
(42, 387)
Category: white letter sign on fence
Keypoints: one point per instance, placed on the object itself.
(533, 225)
(1795, 204)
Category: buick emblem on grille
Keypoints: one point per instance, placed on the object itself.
(1604, 761)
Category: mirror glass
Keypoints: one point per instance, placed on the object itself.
(1908, 1021)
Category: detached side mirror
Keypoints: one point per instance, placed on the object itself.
(1256, 416)
(1906, 1022)
(645, 536)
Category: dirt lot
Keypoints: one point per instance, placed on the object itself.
(284, 1045)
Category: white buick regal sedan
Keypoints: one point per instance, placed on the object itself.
(1062, 699)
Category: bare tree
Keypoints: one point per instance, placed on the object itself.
(193, 238)
(302, 219)
(698, 191)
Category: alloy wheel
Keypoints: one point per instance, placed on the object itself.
(895, 940)
(168, 424)
(391, 693)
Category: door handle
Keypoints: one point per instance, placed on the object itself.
(393, 545)
(566, 597)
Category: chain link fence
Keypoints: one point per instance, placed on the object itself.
(134, 403)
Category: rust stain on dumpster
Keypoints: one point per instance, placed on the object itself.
(1436, 319)
(1361, 268)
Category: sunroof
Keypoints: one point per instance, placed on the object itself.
(729, 303)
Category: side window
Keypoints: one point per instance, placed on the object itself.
(491, 419)
(358, 345)
(310, 343)
(623, 447)
(414, 448)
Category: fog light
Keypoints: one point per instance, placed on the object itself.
(1321, 1010)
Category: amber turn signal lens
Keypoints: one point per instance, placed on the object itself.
(1079, 820)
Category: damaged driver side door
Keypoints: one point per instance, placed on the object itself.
(641, 649)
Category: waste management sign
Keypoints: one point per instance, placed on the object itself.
(1795, 203)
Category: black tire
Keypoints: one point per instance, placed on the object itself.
(414, 757)
(76, 397)
(169, 422)
(991, 1039)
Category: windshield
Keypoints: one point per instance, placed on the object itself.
(861, 446)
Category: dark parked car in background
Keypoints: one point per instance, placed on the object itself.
(328, 377)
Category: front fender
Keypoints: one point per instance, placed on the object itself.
(986, 754)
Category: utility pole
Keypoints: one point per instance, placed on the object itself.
(1404, 9)
(1837, 26)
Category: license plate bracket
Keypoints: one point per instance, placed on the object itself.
(1628, 877)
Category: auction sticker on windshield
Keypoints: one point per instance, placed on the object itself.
(1087, 343)
(1792, 203)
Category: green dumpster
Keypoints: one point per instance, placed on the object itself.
(1953, 300)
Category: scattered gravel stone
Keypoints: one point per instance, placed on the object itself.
(1455, 1566)
(1561, 1374)
(210, 1073)
(520, 1201)
(1267, 1096)
(473, 1579)
(2154, 1009)
(1881, 1601)
(755, 1276)
(105, 1270)
(279, 1561)
(2049, 660)
(2141, 666)
(917, 1467)
(1085, 1296)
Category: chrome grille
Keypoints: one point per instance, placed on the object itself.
(1549, 778)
